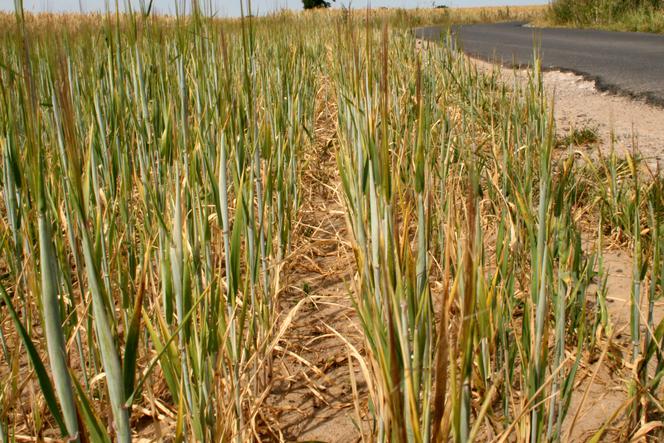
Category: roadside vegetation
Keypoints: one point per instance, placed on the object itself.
(585, 136)
(152, 180)
(615, 15)
(410, 18)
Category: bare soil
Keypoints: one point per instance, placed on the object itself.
(622, 123)
(315, 397)
(607, 394)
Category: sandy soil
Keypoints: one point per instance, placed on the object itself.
(607, 391)
(313, 393)
(628, 123)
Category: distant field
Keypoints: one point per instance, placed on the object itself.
(395, 16)
(311, 227)
(612, 15)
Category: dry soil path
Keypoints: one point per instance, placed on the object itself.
(313, 397)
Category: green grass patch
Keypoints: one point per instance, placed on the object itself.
(579, 137)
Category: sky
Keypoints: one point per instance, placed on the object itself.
(231, 8)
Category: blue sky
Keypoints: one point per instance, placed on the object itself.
(232, 7)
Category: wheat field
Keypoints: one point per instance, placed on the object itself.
(244, 229)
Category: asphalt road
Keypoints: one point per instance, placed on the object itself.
(629, 63)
